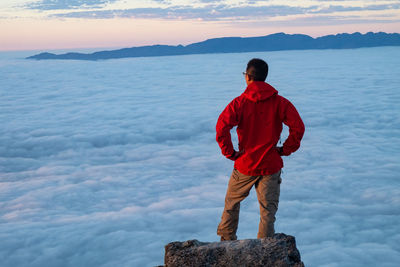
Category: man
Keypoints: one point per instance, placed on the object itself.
(258, 114)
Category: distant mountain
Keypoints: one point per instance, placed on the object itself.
(273, 42)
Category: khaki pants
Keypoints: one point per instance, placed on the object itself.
(268, 189)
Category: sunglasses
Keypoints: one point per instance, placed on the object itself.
(245, 73)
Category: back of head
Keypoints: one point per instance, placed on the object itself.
(257, 69)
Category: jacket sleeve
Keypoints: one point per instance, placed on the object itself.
(226, 121)
(292, 119)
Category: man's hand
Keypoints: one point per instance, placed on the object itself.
(280, 150)
(235, 155)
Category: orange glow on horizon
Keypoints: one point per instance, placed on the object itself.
(36, 34)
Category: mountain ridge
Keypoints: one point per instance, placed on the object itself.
(273, 42)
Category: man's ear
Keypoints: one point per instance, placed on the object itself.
(248, 79)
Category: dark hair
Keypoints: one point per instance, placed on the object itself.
(257, 69)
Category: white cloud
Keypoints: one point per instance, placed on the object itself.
(67, 4)
(226, 12)
(328, 12)
(103, 163)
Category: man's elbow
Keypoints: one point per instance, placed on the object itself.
(302, 129)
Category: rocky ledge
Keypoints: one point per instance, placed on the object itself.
(277, 251)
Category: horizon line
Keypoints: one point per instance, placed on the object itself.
(155, 44)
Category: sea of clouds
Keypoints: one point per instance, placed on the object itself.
(102, 163)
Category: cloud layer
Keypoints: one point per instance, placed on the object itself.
(103, 163)
(67, 4)
(217, 10)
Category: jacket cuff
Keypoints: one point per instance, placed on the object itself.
(232, 156)
(284, 152)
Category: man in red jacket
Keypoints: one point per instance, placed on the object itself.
(258, 114)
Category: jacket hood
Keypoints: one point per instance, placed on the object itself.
(258, 91)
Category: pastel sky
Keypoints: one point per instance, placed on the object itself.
(68, 24)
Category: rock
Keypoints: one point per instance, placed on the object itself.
(277, 251)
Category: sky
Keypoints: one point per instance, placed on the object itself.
(64, 24)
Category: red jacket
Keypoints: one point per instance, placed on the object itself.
(258, 114)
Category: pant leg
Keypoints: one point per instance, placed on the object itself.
(238, 189)
(268, 190)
